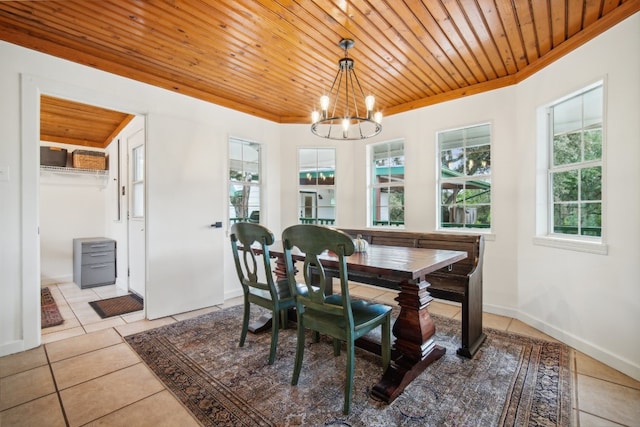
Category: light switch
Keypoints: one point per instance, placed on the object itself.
(4, 173)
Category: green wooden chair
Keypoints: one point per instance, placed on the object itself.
(258, 284)
(334, 315)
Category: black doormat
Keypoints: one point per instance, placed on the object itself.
(50, 315)
(118, 305)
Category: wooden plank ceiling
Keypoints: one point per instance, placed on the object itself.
(273, 58)
(70, 122)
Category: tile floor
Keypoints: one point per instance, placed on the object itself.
(85, 374)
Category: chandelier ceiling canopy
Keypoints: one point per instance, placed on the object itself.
(339, 115)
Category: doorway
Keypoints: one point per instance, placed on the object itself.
(82, 203)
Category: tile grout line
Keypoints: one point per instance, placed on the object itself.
(55, 384)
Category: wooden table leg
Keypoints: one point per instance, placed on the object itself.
(414, 344)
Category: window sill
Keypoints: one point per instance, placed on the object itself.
(597, 248)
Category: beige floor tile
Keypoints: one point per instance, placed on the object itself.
(110, 322)
(82, 344)
(78, 296)
(144, 325)
(609, 401)
(63, 335)
(94, 399)
(133, 317)
(588, 420)
(23, 361)
(109, 291)
(232, 302)
(78, 369)
(444, 309)
(363, 291)
(86, 314)
(388, 298)
(69, 323)
(44, 411)
(588, 366)
(495, 321)
(161, 409)
(522, 328)
(25, 386)
(195, 313)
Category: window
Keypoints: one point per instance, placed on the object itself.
(575, 164)
(317, 180)
(137, 182)
(244, 181)
(464, 177)
(386, 189)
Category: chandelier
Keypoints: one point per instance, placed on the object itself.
(339, 118)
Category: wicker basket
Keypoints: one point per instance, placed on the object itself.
(85, 159)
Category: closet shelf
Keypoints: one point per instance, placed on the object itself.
(63, 175)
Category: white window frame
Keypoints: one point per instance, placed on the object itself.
(260, 184)
(371, 185)
(439, 180)
(545, 235)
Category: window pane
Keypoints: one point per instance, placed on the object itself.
(244, 181)
(316, 203)
(566, 148)
(387, 184)
(565, 218)
(479, 160)
(593, 144)
(138, 164)
(591, 183)
(452, 161)
(565, 186)
(593, 105)
(138, 200)
(591, 219)
(567, 116)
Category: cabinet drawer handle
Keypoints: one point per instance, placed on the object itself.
(99, 255)
(99, 246)
(100, 266)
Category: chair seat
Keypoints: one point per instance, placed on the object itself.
(366, 315)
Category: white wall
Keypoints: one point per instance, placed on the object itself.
(590, 301)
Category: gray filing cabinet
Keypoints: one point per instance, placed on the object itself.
(94, 262)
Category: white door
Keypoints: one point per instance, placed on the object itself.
(136, 212)
(186, 179)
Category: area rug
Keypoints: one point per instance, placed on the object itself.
(49, 312)
(511, 381)
(118, 305)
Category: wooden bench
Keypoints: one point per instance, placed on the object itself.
(460, 282)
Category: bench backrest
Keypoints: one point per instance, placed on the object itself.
(473, 244)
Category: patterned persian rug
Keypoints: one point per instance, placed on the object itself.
(511, 381)
(49, 312)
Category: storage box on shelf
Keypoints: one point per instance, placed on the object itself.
(53, 156)
(87, 159)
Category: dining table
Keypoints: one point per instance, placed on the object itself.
(414, 347)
